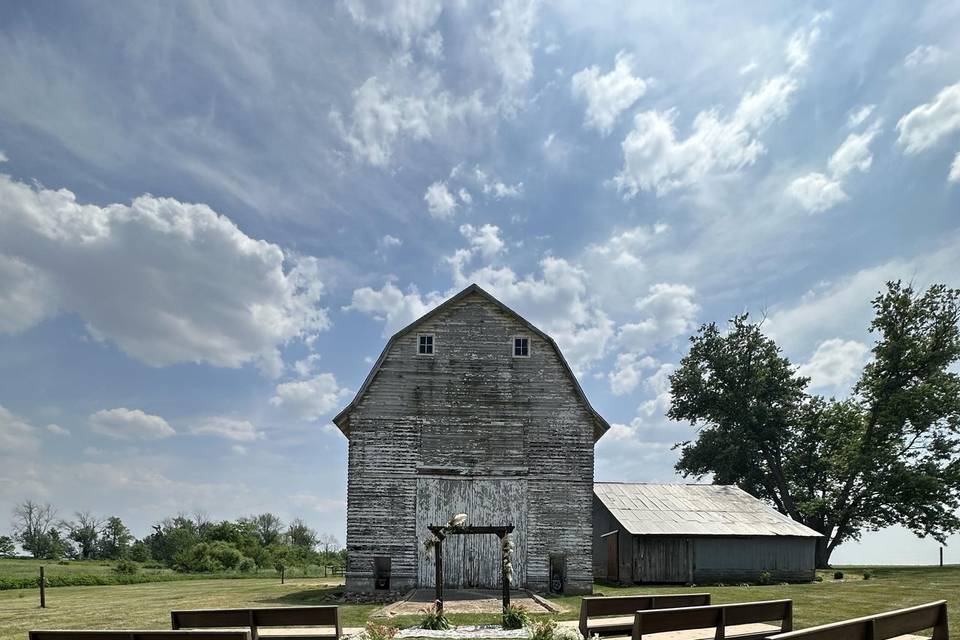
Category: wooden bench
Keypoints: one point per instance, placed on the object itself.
(743, 620)
(613, 615)
(138, 635)
(883, 626)
(310, 622)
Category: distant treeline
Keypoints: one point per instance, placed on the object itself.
(190, 544)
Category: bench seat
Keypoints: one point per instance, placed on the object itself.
(279, 633)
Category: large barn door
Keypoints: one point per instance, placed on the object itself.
(662, 559)
(472, 561)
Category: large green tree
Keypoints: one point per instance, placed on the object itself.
(888, 454)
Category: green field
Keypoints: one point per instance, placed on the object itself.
(149, 605)
(14, 571)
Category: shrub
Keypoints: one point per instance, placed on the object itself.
(63, 562)
(549, 630)
(765, 578)
(515, 617)
(867, 574)
(838, 575)
(818, 578)
(376, 631)
(126, 568)
(247, 565)
(434, 620)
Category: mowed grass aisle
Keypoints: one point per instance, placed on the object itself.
(149, 605)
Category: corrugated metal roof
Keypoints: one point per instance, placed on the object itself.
(694, 509)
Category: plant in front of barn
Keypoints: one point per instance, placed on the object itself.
(887, 454)
(374, 631)
(550, 630)
(433, 619)
(515, 617)
(766, 578)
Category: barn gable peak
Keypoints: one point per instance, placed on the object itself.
(342, 419)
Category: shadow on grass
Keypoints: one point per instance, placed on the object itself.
(315, 595)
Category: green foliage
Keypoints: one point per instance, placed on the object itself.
(115, 539)
(890, 454)
(140, 552)
(765, 578)
(375, 631)
(867, 574)
(434, 620)
(208, 557)
(8, 548)
(838, 575)
(515, 617)
(247, 565)
(543, 630)
(126, 567)
(818, 578)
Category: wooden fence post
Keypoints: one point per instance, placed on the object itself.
(43, 590)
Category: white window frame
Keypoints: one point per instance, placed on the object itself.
(433, 344)
(513, 346)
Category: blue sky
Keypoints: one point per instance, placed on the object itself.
(213, 214)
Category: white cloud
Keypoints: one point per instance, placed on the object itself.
(3, 156)
(440, 202)
(628, 372)
(57, 430)
(305, 366)
(227, 428)
(608, 95)
(858, 116)
(655, 159)
(310, 399)
(659, 385)
(835, 364)
(465, 196)
(495, 187)
(382, 115)
(16, 434)
(225, 299)
(128, 424)
(389, 242)
(854, 153)
(930, 122)
(954, 175)
(506, 43)
(669, 311)
(924, 55)
(802, 41)
(486, 239)
(402, 20)
(395, 308)
(817, 192)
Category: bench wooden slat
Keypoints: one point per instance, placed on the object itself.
(136, 634)
(654, 621)
(593, 608)
(883, 626)
(255, 618)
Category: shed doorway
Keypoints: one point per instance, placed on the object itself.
(663, 560)
(613, 556)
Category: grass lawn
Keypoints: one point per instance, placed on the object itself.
(29, 568)
(149, 605)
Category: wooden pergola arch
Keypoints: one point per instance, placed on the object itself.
(441, 532)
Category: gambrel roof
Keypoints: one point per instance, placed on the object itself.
(694, 510)
(341, 419)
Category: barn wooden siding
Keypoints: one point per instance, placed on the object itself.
(470, 429)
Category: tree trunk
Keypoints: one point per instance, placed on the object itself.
(822, 553)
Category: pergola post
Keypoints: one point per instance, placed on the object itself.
(438, 566)
(504, 576)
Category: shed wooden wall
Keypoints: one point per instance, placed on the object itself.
(514, 426)
(700, 559)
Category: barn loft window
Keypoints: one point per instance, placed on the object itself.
(521, 347)
(425, 344)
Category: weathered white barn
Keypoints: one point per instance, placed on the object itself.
(694, 533)
(470, 409)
